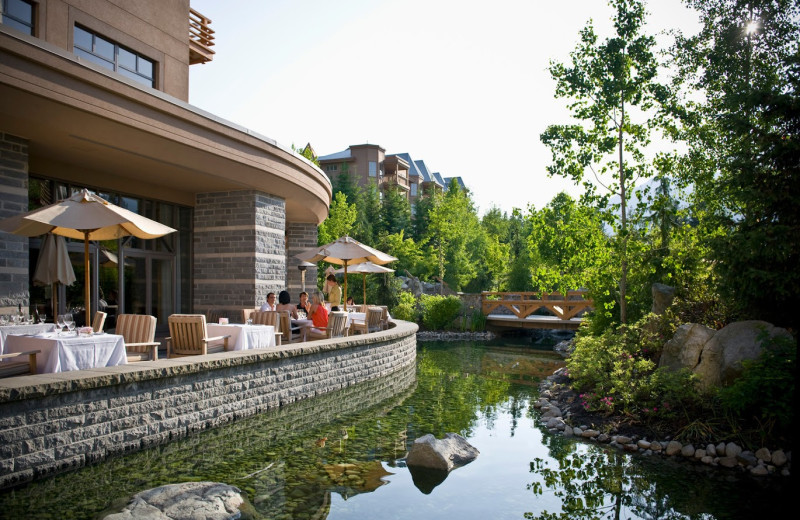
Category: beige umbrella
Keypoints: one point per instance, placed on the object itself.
(84, 216)
(364, 268)
(53, 265)
(345, 251)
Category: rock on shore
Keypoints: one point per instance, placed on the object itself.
(188, 500)
(556, 415)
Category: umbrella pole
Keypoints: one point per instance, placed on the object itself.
(87, 287)
(345, 285)
(364, 301)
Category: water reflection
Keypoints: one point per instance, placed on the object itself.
(341, 456)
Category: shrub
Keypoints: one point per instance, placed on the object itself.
(406, 308)
(439, 312)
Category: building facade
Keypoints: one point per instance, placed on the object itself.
(94, 94)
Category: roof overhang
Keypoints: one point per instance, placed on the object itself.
(85, 124)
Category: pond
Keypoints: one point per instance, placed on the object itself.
(341, 456)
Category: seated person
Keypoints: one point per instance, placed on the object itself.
(304, 304)
(284, 304)
(351, 304)
(270, 304)
(318, 312)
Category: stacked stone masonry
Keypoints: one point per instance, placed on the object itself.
(13, 249)
(53, 423)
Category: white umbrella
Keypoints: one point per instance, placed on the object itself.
(345, 251)
(84, 216)
(364, 268)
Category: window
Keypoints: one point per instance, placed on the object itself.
(373, 168)
(18, 14)
(413, 189)
(331, 167)
(114, 57)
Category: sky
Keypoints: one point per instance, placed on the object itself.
(463, 85)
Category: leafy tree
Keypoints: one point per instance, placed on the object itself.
(744, 148)
(519, 276)
(422, 210)
(341, 217)
(606, 82)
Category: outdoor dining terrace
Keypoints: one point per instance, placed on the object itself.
(52, 422)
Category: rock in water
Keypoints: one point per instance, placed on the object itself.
(445, 454)
(189, 500)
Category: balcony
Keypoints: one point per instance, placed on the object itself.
(201, 38)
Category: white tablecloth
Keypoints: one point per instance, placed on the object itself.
(71, 352)
(6, 330)
(244, 337)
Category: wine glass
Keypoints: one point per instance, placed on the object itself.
(42, 318)
(3, 319)
(60, 323)
(69, 322)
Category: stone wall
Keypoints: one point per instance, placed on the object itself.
(299, 237)
(51, 423)
(13, 201)
(238, 250)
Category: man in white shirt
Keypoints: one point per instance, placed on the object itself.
(270, 305)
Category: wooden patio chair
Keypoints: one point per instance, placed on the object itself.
(139, 331)
(372, 322)
(291, 333)
(269, 318)
(188, 337)
(98, 321)
(337, 327)
(384, 317)
(18, 368)
(248, 313)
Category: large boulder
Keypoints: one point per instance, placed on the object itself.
(441, 454)
(722, 356)
(188, 500)
(685, 347)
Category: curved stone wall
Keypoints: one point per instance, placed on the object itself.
(55, 422)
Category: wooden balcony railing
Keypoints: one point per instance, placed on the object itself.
(523, 304)
(201, 38)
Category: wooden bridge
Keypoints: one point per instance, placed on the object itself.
(552, 310)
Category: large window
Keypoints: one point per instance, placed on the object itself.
(114, 57)
(373, 168)
(18, 14)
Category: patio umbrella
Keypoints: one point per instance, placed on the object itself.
(84, 216)
(54, 265)
(345, 251)
(364, 268)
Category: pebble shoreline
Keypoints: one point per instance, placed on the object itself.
(724, 455)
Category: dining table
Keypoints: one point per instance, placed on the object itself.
(243, 336)
(14, 330)
(62, 352)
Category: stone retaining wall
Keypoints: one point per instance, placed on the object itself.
(51, 423)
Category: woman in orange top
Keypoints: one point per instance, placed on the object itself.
(318, 312)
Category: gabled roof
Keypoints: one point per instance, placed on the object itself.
(412, 167)
(459, 180)
(424, 172)
(345, 154)
(437, 177)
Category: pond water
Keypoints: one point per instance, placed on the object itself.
(340, 456)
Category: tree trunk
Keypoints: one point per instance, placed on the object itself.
(623, 279)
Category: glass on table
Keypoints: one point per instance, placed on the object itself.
(69, 322)
(60, 323)
(3, 319)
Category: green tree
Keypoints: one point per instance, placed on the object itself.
(341, 217)
(395, 211)
(607, 81)
(744, 148)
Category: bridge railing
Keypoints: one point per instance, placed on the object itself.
(523, 304)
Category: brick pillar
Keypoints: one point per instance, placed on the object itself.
(13, 201)
(239, 252)
(299, 237)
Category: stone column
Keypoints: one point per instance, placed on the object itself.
(13, 201)
(299, 237)
(239, 253)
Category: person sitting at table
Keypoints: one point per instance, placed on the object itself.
(318, 312)
(284, 304)
(270, 304)
(304, 304)
(351, 303)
